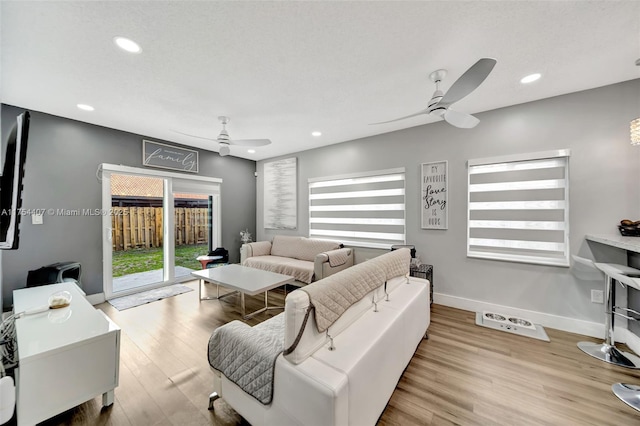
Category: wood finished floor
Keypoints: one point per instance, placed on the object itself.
(462, 375)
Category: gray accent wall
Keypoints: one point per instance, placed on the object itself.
(60, 173)
(604, 172)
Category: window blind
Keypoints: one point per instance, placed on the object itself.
(362, 210)
(518, 208)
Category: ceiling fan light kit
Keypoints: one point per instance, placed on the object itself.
(440, 103)
(224, 149)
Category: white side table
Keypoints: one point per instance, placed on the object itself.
(66, 356)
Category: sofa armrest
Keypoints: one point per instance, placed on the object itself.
(260, 248)
(322, 265)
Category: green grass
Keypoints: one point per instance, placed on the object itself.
(141, 260)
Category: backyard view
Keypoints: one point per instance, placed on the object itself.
(139, 228)
(140, 260)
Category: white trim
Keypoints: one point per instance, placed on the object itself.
(629, 338)
(113, 168)
(519, 258)
(168, 231)
(107, 245)
(95, 299)
(358, 175)
(520, 157)
(512, 167)
(571, 325)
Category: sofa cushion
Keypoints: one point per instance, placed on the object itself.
(301, 270)
(300, 247)
(260, 248)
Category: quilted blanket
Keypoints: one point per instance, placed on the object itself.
(332, 296)
(338, 257)
(247, 355)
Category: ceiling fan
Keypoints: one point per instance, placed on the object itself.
(440, 104)
(224, 141)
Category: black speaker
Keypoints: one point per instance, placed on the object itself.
(55, 273)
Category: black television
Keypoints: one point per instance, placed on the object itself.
(11, 183)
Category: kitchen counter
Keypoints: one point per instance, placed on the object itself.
(616, 240)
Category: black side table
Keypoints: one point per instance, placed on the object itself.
(426, 272)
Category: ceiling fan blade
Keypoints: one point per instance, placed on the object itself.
(460, 119)
(424, 111)
(469, 81)
(250, 142)
(194, 136)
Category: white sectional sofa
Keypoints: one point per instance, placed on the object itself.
(343, 375)
(306, 259)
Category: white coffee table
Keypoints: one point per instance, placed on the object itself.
(244, 280)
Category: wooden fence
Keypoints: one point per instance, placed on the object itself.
(141, 227)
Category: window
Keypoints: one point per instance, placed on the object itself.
(518, 208)
(362, 210)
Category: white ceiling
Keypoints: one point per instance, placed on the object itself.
(283, 69)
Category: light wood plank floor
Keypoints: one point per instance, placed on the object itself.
(462, 375)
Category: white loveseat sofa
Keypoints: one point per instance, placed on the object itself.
(343, 375)
(306, 259)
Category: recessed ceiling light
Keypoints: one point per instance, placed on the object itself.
(316, 133)
(530, 78)
(85, 107)
(251, 151)
(128, 45)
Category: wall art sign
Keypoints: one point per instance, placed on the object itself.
(156, 154)
(280, 194)
(434, 195)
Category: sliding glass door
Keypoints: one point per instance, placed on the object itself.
(137, 237)
(159, 223)
(195, 225)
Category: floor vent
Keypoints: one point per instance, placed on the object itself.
(511, 324)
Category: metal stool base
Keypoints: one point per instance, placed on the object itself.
(629, 394)
(610, 354)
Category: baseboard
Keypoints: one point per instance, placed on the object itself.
(570, 325)
(95, 299)
(631, 339)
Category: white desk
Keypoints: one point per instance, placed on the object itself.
(66, 356)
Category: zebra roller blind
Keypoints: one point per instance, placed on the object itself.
(518, 208)
(363, 210)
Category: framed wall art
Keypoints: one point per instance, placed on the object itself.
(161, 155)
(434, 208)
(280, 194)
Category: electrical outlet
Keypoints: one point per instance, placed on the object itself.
(36, 219)
(597, 296)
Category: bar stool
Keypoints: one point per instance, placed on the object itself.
(629, 394)
(606, 351)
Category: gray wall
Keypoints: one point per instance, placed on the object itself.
(604, 170)
(62, 159)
